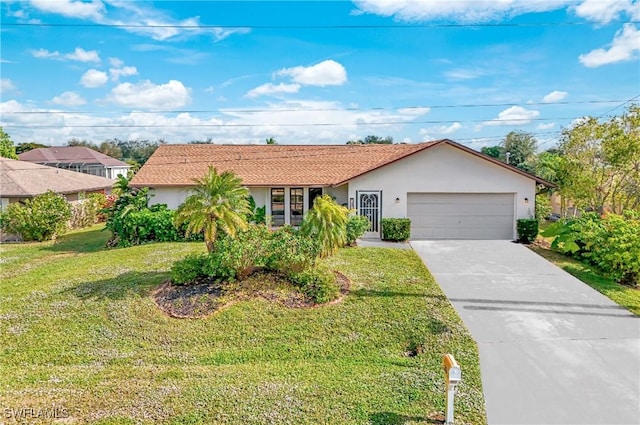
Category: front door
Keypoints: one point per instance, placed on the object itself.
(369, 203)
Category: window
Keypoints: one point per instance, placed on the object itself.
(277, 206)
(296, 205)
(314, 192)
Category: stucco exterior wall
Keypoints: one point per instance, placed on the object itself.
(340, 193)
(444, 169)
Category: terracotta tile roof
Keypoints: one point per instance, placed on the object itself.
(268, 165)
(22, 179)
(280, 165)
(70, 155)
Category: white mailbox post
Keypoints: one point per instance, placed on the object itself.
(453, 375)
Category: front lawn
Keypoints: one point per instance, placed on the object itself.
(81, 334)
(625, 296)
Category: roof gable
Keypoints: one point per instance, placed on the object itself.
(70, 155)
(279, 165)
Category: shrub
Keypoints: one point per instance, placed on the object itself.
(610, 243)
(289, 251)
(613, 245)
(527, 230)
(188, 270)
(236, 258)
(318, 283)
(356, 226)
(396, 229)
(327, 223)
(41, 218)
(86, 211)
(150, 224)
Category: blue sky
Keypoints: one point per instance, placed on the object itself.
(313, 72)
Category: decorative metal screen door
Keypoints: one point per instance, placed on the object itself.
(369, 206)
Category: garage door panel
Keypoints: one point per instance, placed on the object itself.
(461, 215)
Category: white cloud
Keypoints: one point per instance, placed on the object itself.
(459, 10)
(492, 10)
(227, 126)
(145, 94)
(81, 55)
(547, 126)
(116, 63)
(325, 73)
(515, 115)
(625, 46)
(210, 89)
(464, 74)
(124, 71)
(440, 130)
(555, 96)
(70, 8)
(271, 89)
(417, 111)
(45, 54)
(606, 10)
(94, 78)
(7, 85)
(69, 98)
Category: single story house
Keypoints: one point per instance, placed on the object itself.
(20, 180)
(448, 190)
(78, 158)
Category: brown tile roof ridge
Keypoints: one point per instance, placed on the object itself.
(69, 155)
(260, 165)
(270, 165)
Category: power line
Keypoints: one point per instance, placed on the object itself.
(318, 27)
(328, 124)
(620, 105)
(202, 111)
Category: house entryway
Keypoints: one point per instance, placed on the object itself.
(369, 203)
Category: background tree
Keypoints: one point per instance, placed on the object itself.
(271, 141)
(108, 147)
(83, 143)
(219, 203)
(602, 162)
(7, 149)
(493, 151)
(520, 148)
(372, 140)
(26, 147)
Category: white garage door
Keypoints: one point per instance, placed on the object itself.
(461, 215)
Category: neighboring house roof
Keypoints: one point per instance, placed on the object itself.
(22, 179)
(70, 155)
(285, 165)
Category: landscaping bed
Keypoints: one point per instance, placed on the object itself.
(208, 295)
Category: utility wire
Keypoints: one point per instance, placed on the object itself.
(496, 121)
(314, 27)
(203, 111)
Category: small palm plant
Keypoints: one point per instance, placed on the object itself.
(327, 222)
(219, 203)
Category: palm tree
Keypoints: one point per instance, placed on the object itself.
(271, 141)
(327, 222)
(219, 203)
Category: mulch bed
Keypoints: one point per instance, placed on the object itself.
(208, 296)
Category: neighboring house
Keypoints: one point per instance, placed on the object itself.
(20, 180)
(448, 190)
(78, 158)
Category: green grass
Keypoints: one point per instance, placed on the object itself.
(80, 331)
(625, 296)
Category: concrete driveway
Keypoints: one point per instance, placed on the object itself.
(552, 350)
